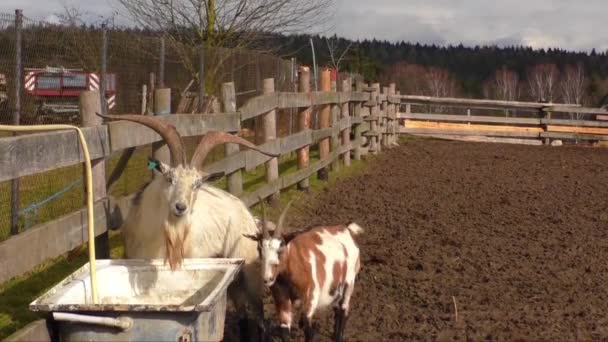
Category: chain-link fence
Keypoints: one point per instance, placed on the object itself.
(45, 66)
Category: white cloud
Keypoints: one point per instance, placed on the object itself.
(538, 23)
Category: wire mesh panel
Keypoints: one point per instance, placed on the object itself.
(7, 65)
(60, 61)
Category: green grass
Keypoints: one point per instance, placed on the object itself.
(16, 294)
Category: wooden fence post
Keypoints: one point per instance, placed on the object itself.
(90, 103)
(335, 137)
(347, 88)
(384, 114)
(358, 137)
(234, 180)
(392, 88)
(304, 117)
(374, 126)
(162, 106)
(324, 115)
(269, 121)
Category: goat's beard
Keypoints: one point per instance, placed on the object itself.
(176, 247)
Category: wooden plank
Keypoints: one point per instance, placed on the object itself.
(35, 153)
(478, 103)
(568, 109)
(125, 134)
(394, 99)
(254, 159)
(464, 118)
(575, 123)
(249, 160)
(35, 331)
(359, 96)
(286, 181)
(295, 100)
(229, 164)
(476, 127)
(48, 240)
(478, 138)
(296, 141)
(325, 97)
(573, 136)
(601, 117)
(345, 122)
(322, 133)
(259, 105)
(234, 180)
(519, 134)
(580, 130)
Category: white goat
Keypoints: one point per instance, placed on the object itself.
(316, 267)
(180, 215)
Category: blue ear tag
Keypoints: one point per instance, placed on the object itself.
(152, 164)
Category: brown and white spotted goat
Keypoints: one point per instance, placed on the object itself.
(316, 267)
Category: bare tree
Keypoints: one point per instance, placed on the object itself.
(573, 84)
(543, 82)
(223, 23)
(410, 78)
(333, 46)
(439, 83)
(504, 85)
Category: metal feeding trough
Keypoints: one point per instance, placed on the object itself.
(142, 300)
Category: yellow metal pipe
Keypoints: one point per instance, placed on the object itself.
(89, 187)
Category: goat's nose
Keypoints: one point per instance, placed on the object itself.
(180, 207)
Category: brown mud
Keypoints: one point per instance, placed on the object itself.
(515, 238)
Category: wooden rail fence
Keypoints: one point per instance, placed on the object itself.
(533, 123)
(355, 116)
(357, 120)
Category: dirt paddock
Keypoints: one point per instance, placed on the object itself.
(512, 238)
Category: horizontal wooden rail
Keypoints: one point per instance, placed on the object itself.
(469, 132)
(479, 103)
(290, 179)
(285, 100)
(36, 153)
(569, 109)
(21, 253)
(573, 136)
(128, 134)
(249, 160)
(575, 123)
(465, 118)
(481, 138)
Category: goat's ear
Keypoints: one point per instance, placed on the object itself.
(157, 165)
(214, 176)
(252, 237)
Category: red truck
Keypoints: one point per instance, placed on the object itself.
(56, 91)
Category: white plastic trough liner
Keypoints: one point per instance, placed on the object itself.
(143, 300)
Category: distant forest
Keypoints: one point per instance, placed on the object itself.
(510, 73)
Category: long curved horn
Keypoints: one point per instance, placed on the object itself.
(264, 226)
(279, 230)
(214, 138)
(167, 131)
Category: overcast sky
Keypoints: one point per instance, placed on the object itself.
(569, 24)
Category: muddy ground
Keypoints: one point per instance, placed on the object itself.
(515, 238)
